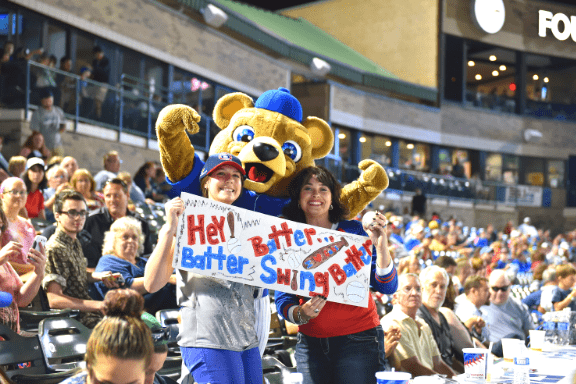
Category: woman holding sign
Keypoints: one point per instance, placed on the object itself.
(337, 343)
(217, 336)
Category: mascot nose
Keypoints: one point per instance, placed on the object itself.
(265, 152)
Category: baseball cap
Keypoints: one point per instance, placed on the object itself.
(219, 159)
(34, 161)
(486, 250)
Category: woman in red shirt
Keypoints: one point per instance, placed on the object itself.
(35, 181)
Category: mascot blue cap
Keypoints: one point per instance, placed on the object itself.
(280, 101)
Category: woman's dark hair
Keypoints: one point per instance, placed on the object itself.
(122, 333)
(292, 210)
(141, 172)
(41, 186)
(29, 143)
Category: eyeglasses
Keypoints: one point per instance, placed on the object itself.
(58, 177)
(15, 192)
(503, 289)
(72, 213)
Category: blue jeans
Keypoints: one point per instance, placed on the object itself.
(345, 359)
(221, 366)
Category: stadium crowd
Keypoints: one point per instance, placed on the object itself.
(447, 285)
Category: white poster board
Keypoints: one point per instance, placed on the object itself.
(226, 242)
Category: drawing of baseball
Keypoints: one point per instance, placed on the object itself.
(233, 244)
(293, 259)
(356, 291)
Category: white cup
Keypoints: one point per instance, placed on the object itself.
(537, 339)
(475, 364)
(388, 377)
(511, 348)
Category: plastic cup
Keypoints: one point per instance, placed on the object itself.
(537, 339)
(475, 364)
(511, 348)
(388, 377)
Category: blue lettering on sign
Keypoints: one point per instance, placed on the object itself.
(232, 264)
(220, 257)
(188, 259)
(349, 270)
(366, 258)
(271, 278)
(242, 261)
(299, 238)
(307, 276)
(271, 246)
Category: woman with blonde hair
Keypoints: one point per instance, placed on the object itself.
(83, 182)
(17, 165)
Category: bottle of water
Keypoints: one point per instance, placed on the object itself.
(550, 328)
(521, 369)
(564, 327)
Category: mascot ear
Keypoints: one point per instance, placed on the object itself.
(228, 105)
(321, 136)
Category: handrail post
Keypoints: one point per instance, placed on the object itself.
(121, 117)
(77, 106)
(27, 96)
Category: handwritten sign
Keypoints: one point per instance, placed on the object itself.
(226, 242)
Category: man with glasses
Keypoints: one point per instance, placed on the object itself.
(66, 279)
(505, 317)
(416, 351)
(116, 200)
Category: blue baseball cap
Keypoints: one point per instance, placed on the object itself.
(280, 101)
(218, 160)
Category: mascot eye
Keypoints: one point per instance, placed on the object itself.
(292, 150)
(243, 133)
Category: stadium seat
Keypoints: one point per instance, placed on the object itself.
(63, 342)
(23, 360)
(275, 371)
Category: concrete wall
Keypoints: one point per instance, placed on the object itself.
(452, 125)
(401, 36)
(163, 33)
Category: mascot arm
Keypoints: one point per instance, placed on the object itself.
(359, 193)
(176, 151)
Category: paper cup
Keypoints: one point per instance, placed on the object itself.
(537, 339)
(511, 348)
(475, 364)
(386, 377)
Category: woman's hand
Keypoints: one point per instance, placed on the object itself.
(391, 338)
(62, 187)
(106, 278)
(311, 309)
(10, 250)
(38, 259)
(174, 208)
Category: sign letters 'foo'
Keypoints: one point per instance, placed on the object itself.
(226, 242)
(547, 20)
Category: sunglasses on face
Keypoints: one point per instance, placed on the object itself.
(503, 289)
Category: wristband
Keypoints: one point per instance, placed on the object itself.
(300, 321)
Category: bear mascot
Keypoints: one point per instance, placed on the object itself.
(272, 140)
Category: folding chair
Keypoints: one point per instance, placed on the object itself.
(63, 342)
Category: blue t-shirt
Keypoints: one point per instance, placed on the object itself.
(115, 264)
(248, 199)
(523, 267)
(501, 264)
(561, 294)
(533, 299)
(410, 243)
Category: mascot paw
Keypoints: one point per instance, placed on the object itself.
(178, 117)
(373, 175)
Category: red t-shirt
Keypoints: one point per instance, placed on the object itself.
(34, 203)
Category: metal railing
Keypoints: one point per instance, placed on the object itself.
(133, 107)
